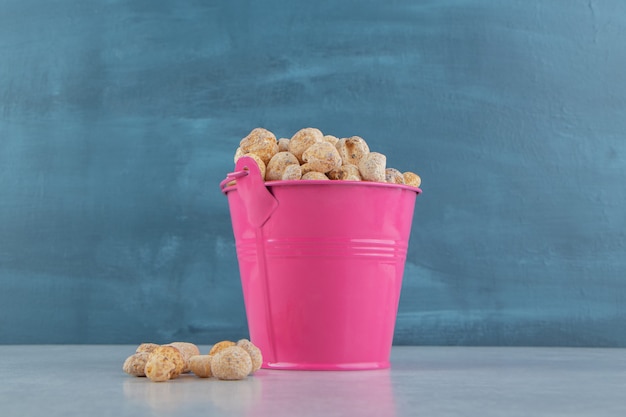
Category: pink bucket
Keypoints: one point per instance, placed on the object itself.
(321, 266)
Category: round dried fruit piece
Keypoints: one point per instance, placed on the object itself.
(304, 138)
(146, 347)
(254, 352)
(347, 172)
(201, 365)
(283, 145)
(164, 363)
(412, 179)
(292, 172)
(372, 167)
(322, 157)
(231, 363)
(304, 168)
(278, 163)
(393, 176)
(352, 150)
(187, 350)
(135, 364)
(331, 139)
(221, 345)
(314, 175)
(261, 142)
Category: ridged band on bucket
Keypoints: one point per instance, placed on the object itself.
(302, 248)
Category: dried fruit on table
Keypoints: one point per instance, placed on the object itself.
(231, 363)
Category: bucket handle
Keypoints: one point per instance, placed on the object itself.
(257, 198)
(231, 176)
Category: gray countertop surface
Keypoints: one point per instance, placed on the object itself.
(87, 380)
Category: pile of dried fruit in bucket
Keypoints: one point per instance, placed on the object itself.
(226, 360)
(311, 155)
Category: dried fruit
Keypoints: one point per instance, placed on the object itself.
(303, 139)
(200, 365)
(352, 150)
(393, 176)
(412, 179)
(187, 350)
(314, 175)
(231, 363)
(309, 153)
(135, 364)
(347, 172)
(228, 360)
(255, 354)
(164, 363)
(278, 164)
(322, 157)
(372, 167)
(261, 142)
(221, 345)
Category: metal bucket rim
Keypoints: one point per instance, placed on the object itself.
(330, 183)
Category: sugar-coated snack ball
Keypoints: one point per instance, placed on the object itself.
(283, 145)
(322, 157)
(164, 363)
(231, 363)
(220, 346)
(261, 142)
(352, 149)
(257, 138)
(314, 175)
(292, 172)
(352, 161)
(277, 165)
(259, 163)
(372, 167)
(331, 139)
(306, 168)
(412, 179)
(135, 364)
(393, 176)
(146, 347)
(255, 354)
(347, 172)
(187, 350)
(200, 365)
(303, 139)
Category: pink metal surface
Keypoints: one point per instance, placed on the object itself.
(321, 266)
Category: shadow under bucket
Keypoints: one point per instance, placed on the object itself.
(321, 265)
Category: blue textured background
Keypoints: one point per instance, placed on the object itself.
(119, 118)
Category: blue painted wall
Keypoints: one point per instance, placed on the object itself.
(118, 119)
